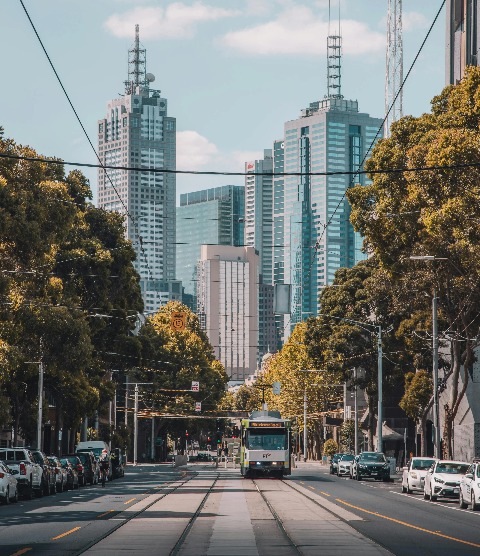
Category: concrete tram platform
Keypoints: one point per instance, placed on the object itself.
(236, 521)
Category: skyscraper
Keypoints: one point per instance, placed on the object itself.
(228, 296)
(212, 216)
(462, 38)
(310, 212)
(137, 132)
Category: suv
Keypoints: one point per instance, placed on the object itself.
(470, 487)
(25, 469)
(90, 467)
(371, 464)
(48, 472)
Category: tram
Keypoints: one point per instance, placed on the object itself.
(265, 445)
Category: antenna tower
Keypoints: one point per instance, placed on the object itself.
(137, 65)
(394, 67)
(334, 60)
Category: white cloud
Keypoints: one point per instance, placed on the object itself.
(414, 20)
(177, 20)
(193, 150)
(299, 31)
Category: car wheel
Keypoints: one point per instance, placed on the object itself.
(425, 495)
(475, 506)
(461, 501)
(404, 488)
(15, 498)
(433, 498)
(359, 477)
(409, 490)
(39, 492)
(46, 488)
(6, 500)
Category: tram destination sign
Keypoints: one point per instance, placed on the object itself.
(266, 424)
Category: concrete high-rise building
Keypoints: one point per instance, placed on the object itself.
(228, 279)
(462, 38)
(212, 216)
(137, 132)
(311, 213)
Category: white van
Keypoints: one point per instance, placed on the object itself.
(98, 447)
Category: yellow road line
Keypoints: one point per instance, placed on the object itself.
(325, 493)
(405, 524)
(65, 534)
(313, 488)
(131, 500)
(106, 513)
(22, 551)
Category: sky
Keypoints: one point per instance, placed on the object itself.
(233, 71)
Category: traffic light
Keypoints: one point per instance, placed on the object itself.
(186, 434)
(208, 439)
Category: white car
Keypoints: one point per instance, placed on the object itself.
(443, 479)
(470, 487)
(8, 485)
(343, 465)
(413, 476)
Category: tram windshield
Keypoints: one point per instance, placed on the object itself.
(266, 440)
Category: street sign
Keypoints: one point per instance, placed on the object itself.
(198, 406)
(276, 388)
(348, 412)
(178, 321)
(195, 386)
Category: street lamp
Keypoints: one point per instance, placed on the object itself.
(436, 412)
(379, 375)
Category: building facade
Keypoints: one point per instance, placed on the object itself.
(311, 224)
(137, 132)
(228, 294)
(212, 216)
(462, 38)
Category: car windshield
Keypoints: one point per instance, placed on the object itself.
(73, 460)
(266, 441)
(373, 457)
(347, 457)
(420, 464)
(450, 467)
(64, 462)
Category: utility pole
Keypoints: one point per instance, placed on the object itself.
(135, 426)
(356, 409)
(305, 425)
(380, 392)
(436, 420)
(40, 406)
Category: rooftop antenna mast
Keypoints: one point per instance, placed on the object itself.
(394, 66)
(334, 60)
(137, 64)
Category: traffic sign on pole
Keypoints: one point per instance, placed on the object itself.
(178, 321)
(195, 386)
(198, 406)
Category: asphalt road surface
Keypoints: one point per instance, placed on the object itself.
(204, 510)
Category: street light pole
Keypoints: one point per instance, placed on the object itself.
(40, 406)
(380, 392)
(305, 424)
(356, 409)
(436, 420)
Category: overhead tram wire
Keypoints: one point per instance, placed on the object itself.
(101, 165)
(353, 173)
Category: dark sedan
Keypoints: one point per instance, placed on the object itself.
(372, 465)
(79, 467)
(72, 475)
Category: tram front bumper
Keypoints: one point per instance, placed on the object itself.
(266, 466)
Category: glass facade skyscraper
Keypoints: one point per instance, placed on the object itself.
(212, 216)
(137, 132)
(310, 212)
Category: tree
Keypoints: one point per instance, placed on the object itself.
(432, 212)
(417, 400)
(330, 447)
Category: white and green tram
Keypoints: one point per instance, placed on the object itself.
(265, 445)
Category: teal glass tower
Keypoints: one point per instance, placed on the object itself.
(212, 216)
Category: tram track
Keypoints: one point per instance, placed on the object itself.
(134, 515)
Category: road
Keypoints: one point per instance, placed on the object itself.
(156, 509)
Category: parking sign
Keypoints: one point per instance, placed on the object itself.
(198, 406)
(195, 386)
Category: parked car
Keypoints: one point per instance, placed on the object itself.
(333, 463)
(48, 472)
(72, 475)
(470, 487)
(413, 475)
(8, 485)
(344, 463)
(75, 460)
(373, 465)
(25, 469)
(100, 450)
(90, 467)
(60, 473)
(443, 479)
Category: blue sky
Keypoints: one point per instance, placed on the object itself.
(233, 71)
